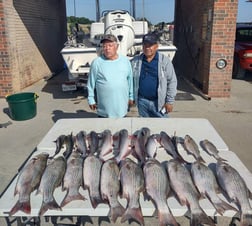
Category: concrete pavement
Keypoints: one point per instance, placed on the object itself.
(232, 118)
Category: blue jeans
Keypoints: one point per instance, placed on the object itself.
(149, 108)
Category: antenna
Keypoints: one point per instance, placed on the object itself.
(143, 18)
(97, 10)
(74, 9)
(134, 8)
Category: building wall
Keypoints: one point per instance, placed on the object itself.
(204, 34)
(33, 33)
(222, 47)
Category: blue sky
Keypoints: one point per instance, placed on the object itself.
(155, 11)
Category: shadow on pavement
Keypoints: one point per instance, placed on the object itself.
(248, 77)
(59, 114)
(7, 112)
(54, 86)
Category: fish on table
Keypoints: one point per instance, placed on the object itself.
(206, 183)
(61, 141)
(73, 178)
(186, 192)
(51, 179)
(236, 189)
(168, 144)
(211, 149)
(191, 147)
(28, 180)
(158, 188)
(110, 188)
(123, 149)
(152, 145)
(132, 182)
(69, 142)
(106, 146)
(138, 141)
(80, 142)
(86, 165)
(91, 178)
(59, 144)
(93, 142)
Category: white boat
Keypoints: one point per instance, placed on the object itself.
(80, 51)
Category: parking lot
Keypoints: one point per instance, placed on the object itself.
(231, 117)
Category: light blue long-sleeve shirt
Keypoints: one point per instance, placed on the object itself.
(113, 82)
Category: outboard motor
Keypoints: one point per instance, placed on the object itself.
(119, 23)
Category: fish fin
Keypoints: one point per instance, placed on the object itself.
(116, 212)
(246, 219)
(134, 154)
(220, 159)
(115, 136)
(198, 217)
(22, 206)
(95, 201)
(222, 206)
(15, 191)
(182, 201)
(133, 213)
(118, 159)
(155, 154)
(116, 151)
(155, 213)
(53, 205)
(201, 195)
(133, 140)
(187, 214)
(68, 198)
(146, 196)
(218, 190)
(250, 194)
(166, 219)
(109, 151)
(180, 159)
(200, 159)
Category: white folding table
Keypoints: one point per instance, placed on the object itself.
(198, 128)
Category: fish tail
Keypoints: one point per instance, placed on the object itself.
(53, 205)
(221, 159)
(180, 159)
(246, 219)
(22, 206)
(166, 219)
(200, 217)
(116, 212)
(222, 206)
(133, 213)
(68, 198)
(200, 159)
(95, 201)
(118, 159)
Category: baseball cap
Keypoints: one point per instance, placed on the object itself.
(109, 37)
(150, 38)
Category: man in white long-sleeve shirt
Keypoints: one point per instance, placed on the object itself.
(111, 77)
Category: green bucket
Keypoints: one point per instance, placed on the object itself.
(22, 106)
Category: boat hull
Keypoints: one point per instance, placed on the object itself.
(78, 59)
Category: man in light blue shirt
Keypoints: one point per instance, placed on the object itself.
(110, 81)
